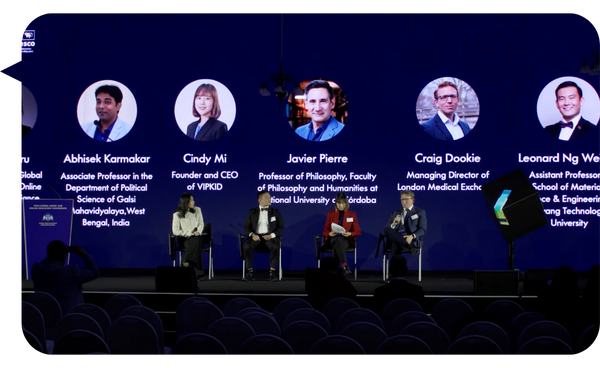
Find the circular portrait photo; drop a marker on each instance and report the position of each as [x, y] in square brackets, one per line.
[318, 111]
[568, 108]
[205, 110]
[106, 111]
[28, 111]
[447, 109]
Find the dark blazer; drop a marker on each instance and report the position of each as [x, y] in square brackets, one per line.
[275, 222]
[436, 128]
[581, 129]
[397, 288]
[212, 130]
[416, 224]
[350, 226]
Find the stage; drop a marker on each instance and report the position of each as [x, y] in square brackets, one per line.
[293, 282]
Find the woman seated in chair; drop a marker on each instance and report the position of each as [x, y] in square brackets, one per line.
[342, 239]
[187, 226]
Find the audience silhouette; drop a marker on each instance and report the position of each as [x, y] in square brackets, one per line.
[560, 302]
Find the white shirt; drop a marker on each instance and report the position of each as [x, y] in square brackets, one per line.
[263, 222]
[403, 215]
[185, 226]
[566, 132]
[452, 126]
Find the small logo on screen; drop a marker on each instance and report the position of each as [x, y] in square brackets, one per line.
[28, 41]
[499, 207]
[48, 217]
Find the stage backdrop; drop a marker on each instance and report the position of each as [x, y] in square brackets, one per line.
[384, 69]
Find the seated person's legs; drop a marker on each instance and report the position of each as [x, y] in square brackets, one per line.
[399, 243]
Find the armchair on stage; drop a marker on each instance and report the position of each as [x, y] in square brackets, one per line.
[176, 247]
[319, 250]
[386, 250]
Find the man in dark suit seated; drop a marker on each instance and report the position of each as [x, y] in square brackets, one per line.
[406, 226]
[569, 101]
[398, 286]
[263, 227]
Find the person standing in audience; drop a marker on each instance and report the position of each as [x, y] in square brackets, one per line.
[63, 282]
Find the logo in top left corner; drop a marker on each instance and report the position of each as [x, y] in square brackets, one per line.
[28, 41]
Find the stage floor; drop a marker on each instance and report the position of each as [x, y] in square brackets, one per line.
[293, 283]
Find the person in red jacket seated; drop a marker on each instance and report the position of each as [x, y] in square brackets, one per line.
[339, 239]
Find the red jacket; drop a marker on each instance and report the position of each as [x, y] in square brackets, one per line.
[350, 224]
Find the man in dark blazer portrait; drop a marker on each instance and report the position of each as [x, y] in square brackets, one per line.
[263, 228]
[398, 286]
[569, 101]
[445, 125]
[406, 226]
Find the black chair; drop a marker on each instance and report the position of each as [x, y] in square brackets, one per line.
[386, 251]
[81, 342]
[29, 345]
[336, 344]
[50, 309]
[262, 249]
[319, 250]
[265, 344]
[198, 343]
[176, 247]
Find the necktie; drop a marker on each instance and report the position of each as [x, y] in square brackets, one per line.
[264, 209]
[565, 125]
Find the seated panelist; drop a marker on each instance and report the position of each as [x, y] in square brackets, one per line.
[339, 239]
[187, 226]
[263, 227]
[406, 226]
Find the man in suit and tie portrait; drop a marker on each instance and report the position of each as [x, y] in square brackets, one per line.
[446, 125]
[569, 101]
[263, 228]
[319, 103]
[406, 226]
